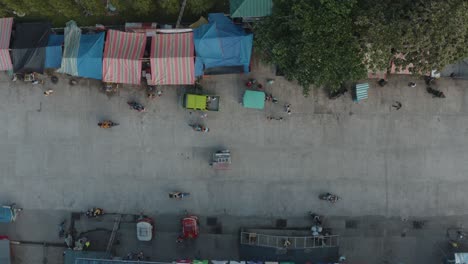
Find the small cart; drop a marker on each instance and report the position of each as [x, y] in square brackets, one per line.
[145, 229]
[221, 160]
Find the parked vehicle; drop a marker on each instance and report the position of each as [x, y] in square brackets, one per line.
[199, 128]
[145, 228]
[178, 195]
[8, 213]
[136, 106]
[190, 228]
[107, 124]
[221, 160]
[201, 102]
[332, 198]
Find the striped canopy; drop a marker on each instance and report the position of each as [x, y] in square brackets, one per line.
[122, 57]
[172, 59]
[5, 33]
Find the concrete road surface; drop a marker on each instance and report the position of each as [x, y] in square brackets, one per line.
[405, 163]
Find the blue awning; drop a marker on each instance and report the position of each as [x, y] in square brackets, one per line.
[221, 43]
[83, 53]
[54, 52]
[361, 91]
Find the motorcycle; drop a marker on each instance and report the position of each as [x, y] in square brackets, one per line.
[107, 124]
[337, 93]
[94, 212]
[61, 233]
[429, 80]
[316, 218]
[178, 195]
[435, 92]
[329, 197]
[136, 106]
[199, 128]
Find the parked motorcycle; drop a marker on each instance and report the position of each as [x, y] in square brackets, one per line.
[316, 218]
[435, 92]
[94, 212]
[178, 195]
[199, 128]
[136, 106]
[107, 124]
[337, 93]
[429, 80]
[61, 233]
[329, 197]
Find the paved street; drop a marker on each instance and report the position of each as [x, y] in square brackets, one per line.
[409, 163]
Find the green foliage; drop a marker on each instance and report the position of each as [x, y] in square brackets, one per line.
[67, 8]
[317, 49]
[142, 6]
[39, 7]
[198, 7]
[171, 6]
[195, 7]
[9, 6]
[94, 7]
[429, 33]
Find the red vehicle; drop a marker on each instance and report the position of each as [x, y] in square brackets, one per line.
[190, 227]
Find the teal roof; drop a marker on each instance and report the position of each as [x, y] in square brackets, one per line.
[361, 91]
[254, 99]
[251, 8]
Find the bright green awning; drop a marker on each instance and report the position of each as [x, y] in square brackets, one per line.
[254, 99]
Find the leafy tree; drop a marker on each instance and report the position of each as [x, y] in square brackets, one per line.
[429, 33]
[312, 42]
[93, 7]
[39, 7]
[13, 5]
[195, 7]
[68, 8]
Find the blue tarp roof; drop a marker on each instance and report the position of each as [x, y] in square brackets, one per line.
[82, 54]
[90, 56]
[54, 52]
[221, 43]
[5, 214]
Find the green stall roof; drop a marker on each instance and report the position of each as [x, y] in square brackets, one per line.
[254, 99]
[250, 8]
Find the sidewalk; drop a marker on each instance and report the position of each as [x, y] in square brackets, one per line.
[362, 239]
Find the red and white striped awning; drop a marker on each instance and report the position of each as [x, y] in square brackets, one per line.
[148, 28]
[122, 57]
[172, 59]
[5, 34]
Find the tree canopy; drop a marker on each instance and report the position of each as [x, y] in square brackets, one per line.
[95, 10]
[312, 42]
[325, 42]
[429, 33]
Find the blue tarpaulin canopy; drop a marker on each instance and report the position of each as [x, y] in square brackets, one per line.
[82, 55]
[221, 43]
[54, 52]
[6, 214]
[90, 55]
